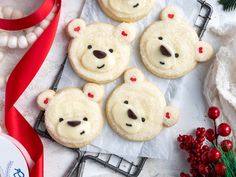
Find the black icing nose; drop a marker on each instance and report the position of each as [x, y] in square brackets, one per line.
[99, 54]
[73, 123]
[131, 114]
[165, 51]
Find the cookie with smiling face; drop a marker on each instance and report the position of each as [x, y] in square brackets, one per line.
[126, 10]
[137, 109]
[99, 52]
[170, 48]
[73, 117]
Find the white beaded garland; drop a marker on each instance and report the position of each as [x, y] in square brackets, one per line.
[38, 31]
[7, 12]
[12, 42]
[17, 14]
[31, 37]
[22, 42]
[3, 39]
[44, 24]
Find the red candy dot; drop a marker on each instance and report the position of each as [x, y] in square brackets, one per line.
[90, 95]
[46, 101]
[171, 16]
[200, 50]
[168, 115]
[123, 33]
[133, 79]
[77, 28]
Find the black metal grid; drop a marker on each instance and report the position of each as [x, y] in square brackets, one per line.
[132, 169]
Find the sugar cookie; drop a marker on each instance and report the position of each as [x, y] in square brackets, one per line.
[99, 52]
[73, 117]
[126, 10]
[137, 109]
[170, 48]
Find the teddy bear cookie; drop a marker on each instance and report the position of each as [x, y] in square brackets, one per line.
[73, 117]
[137, 109]
[126, 10]
[170, 48]
[99, 52]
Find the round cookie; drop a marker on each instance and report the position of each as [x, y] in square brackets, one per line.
[73, 117]
[99, 52]
[137, 109]
[170, 48]
[126, 10]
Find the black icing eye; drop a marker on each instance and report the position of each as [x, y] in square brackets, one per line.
[143, 119]
[85, 119]
[160, 38]
[61, 119]
[89, 46]
[111, 50]
[176, 55]
[126, 102]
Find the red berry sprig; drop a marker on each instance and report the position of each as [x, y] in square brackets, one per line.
[205, 161]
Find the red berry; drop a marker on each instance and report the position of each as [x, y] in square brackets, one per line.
[203, 169]
[204, 157]
[205, 148]
[220, 168]
[226, 145]
[214, 155]
[213, 112]
[180, 139]
[224, 129]
[210, 135]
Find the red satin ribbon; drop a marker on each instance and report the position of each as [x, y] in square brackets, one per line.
[21, 77]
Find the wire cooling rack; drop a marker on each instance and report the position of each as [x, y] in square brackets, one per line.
[112, 161]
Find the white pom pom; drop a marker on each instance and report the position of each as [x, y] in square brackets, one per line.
[17, 14]
[12, 42]
[1, 56]
[3, 39]
[44, 24]
[2, 82]
[29, 30]
[38, 31]
[22, 42]
[50, 16]
[31, 38]
[7, 12]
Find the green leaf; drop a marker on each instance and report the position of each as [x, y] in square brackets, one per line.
[228, 5]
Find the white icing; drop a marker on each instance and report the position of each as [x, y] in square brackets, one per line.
[180, 40]
[72, 104]
[98, 37]
[127, 10]
[136, 110]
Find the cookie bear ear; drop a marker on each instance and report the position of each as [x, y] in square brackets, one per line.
[133, 75]
[94, 92]
[171, 116]
[204, 51]
[171, 13]
[125, 32]
[75, 27]
[44, 98]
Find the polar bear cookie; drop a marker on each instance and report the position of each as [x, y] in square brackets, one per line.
[73, 117]
[137, 109]
[99, 52]
[126, 10]
[170, 48]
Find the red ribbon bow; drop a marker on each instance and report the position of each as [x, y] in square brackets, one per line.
[21, 77]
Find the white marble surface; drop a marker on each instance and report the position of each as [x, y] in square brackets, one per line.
[56, 158]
